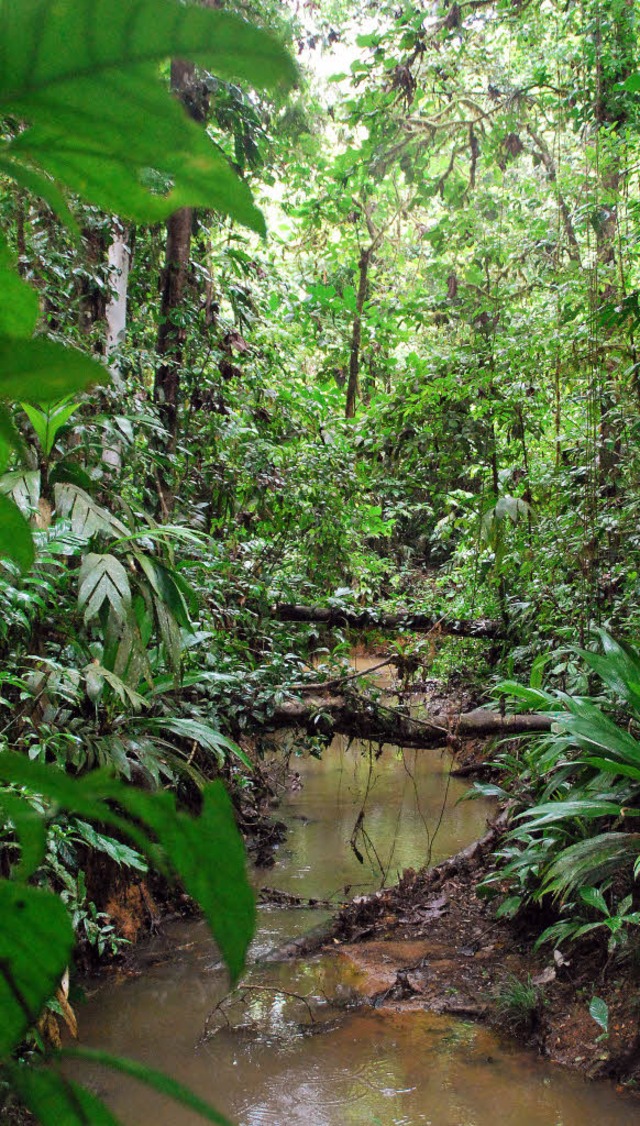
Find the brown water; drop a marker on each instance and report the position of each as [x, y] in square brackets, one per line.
[263, 1058]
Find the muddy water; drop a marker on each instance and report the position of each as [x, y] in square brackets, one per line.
[292, 1049]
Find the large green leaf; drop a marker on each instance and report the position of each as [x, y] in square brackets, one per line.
[36, 940]
[29, 828]
[592, 860]
[87, 518]
[44, 371]
[162, 1083]
[619, 668]
[19, 307]
[83, 73]
[108, 168]
[48, 45]
[596, 733]
[194, 730]
[15, 536]
[57, 1101]
[34, 181]
[103, 579]
[550, 813]
[48, 420]
[206, 853]
[209, 857]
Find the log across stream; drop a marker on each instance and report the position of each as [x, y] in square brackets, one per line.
[297, 1045]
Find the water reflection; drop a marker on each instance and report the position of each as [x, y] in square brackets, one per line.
[266, 1062]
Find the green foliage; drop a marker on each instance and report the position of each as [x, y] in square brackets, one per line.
[137, 153]
[171, 840]
[599, 1010]
[134, 153]
[35, 946]
[516, 1003]
[571, 842]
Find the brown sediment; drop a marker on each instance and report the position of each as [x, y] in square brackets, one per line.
[432, 943]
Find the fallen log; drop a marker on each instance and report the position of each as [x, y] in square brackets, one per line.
[364, 719]
[488, 628]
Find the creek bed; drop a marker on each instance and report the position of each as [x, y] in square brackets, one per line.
[294, 1049]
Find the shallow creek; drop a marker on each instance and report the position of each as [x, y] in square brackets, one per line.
[265, 1059]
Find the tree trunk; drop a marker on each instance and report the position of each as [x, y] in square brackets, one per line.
[119, 259]
[362, 718]
[171, 334]
[372, 619]
[353, 386]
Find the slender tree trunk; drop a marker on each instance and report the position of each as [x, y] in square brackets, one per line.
[353, 386]
[119, 259]
[171, 333]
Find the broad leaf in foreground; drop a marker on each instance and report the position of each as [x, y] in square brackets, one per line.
[83, 74]
[36, 940]
[206, 853]
[55, 1100]
[15, 535]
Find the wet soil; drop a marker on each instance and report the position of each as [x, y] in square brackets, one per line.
[432, 943]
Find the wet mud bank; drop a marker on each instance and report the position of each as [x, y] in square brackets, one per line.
[430, 942]
[364, 998]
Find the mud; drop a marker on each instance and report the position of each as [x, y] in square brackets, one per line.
[431, 943]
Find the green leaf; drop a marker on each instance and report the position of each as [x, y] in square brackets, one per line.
[509, 908]
[44, 371]
[83, 73]
[30, 830]
[618, 667]
[96, 675]
[16, 542]
[36, 940]
[103, 579]
[10, 438]
[594, 898]
[55, 1100]
[206, 852]
[592, 860]
[548, 813]
[42, 186]
[48, 421]
[87, 518]
[209, 857]
[201, 733]
[162, 1083]
[47, 45]
[595, 733]
[163, 580]
[191, 171]
[19, 308]
[599, 1010]
[119, 852]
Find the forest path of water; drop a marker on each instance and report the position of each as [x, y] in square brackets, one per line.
[297, 1046]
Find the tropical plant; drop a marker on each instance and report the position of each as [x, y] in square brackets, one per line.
[136, 153]
[581, 784]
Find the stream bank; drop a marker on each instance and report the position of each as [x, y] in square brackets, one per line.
[432, 943]
[341, 1036]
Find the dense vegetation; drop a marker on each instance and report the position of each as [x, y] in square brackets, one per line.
[418, 392]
